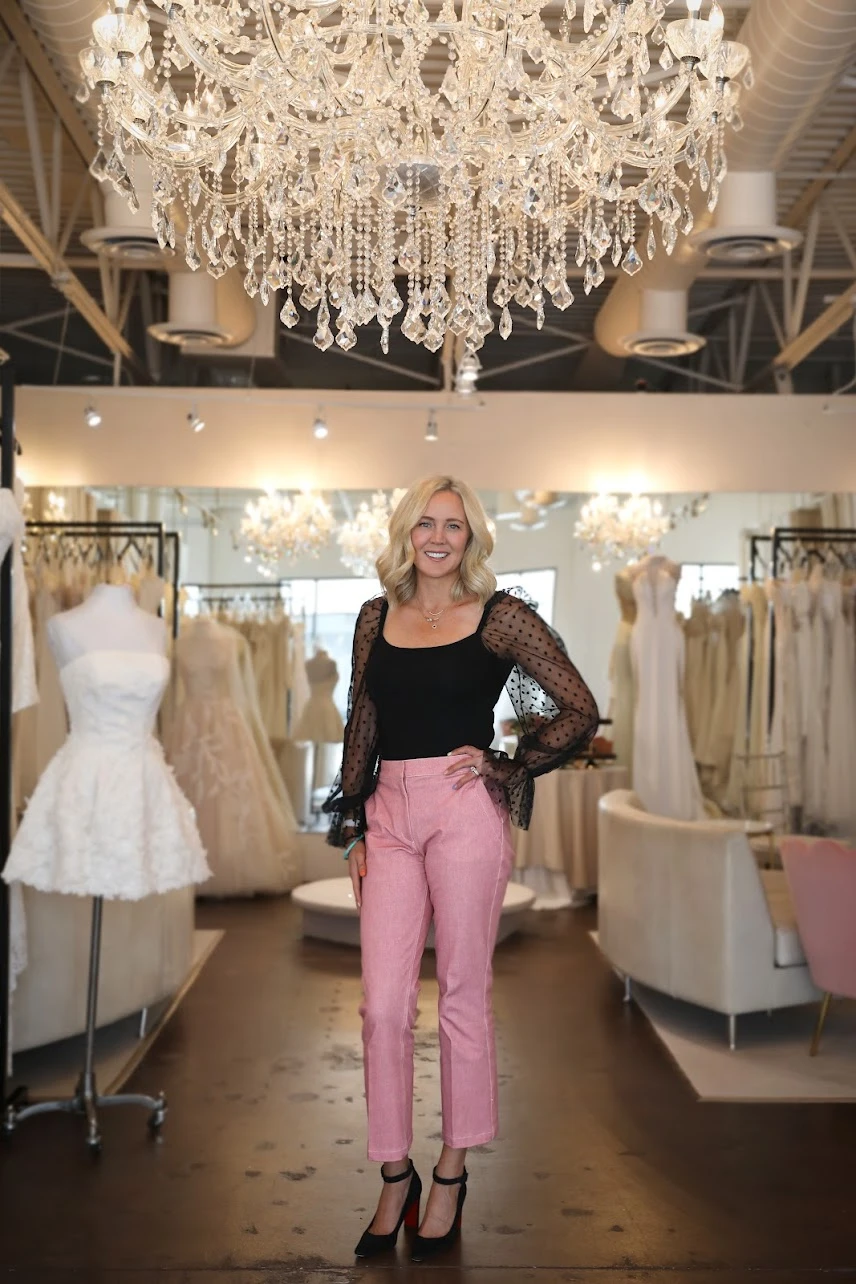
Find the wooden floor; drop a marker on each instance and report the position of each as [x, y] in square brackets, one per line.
[607, 1170]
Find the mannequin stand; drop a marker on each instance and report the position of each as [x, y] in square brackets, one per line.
[86, 1100]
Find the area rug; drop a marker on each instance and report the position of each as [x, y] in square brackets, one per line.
[771, 1062]
[53, 1070]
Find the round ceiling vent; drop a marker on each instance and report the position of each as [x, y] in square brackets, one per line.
[197, 336]
[193, 320]
[134, 246]
[738, 246]
[653, 344]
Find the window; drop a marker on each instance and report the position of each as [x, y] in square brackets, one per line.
[540, 586]
[705, 580]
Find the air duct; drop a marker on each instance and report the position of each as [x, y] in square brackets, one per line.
[128, 237]
[746, 231]
[205, 315]
[663, 331]
[800, 50]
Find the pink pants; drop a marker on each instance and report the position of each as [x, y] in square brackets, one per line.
[432, 851]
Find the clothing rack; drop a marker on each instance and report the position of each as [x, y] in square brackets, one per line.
[7, 480]
[86, 1099]
[757, 561]
[827, 544]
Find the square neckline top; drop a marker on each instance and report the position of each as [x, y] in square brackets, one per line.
[440, 646]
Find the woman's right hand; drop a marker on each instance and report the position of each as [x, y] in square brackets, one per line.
[357, 870]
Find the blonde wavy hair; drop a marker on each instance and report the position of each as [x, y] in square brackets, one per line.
[395, 566]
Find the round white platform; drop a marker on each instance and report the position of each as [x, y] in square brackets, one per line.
[329, 911]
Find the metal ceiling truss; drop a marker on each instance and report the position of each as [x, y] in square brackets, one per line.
[48, 240]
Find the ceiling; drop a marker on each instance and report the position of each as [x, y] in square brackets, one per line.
[64, 317]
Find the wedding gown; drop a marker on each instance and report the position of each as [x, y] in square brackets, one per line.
[622, 698]
[250, 839]
[840, 809]
[785, 733]
[107, 817]
[12, 528]
[816, 678]
[320, 720]
[664, 774]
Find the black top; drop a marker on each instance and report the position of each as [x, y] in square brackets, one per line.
[430, 700]
[556, 711]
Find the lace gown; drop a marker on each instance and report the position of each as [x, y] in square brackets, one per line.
[107, 817]
[249, 835]
[664, 773]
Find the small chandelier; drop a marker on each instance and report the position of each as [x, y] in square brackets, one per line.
[281, 528]
[363, 539]
[417, 157]
[615, 529]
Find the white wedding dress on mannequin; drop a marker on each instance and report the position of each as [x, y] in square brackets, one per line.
[107, 817]
[664, 773]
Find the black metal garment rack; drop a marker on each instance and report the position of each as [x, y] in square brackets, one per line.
[108, 543]
[795, 544]
[7, 480]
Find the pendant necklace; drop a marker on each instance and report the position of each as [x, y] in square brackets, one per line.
[433, 617]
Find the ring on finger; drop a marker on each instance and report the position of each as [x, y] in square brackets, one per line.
[475, 770]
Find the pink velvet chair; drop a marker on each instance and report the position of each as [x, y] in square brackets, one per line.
[821, 875]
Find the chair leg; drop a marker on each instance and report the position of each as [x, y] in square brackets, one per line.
[627, 994]
[732, 1032]
[821, 1021]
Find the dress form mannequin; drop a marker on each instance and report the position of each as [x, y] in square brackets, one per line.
[109, 619]
[320, 722]
[107, 818]
[622, 692]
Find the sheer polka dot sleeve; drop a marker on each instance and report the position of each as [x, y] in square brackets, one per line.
[557, 713]
[356, 781]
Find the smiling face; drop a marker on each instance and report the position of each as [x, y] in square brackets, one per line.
[440, 537]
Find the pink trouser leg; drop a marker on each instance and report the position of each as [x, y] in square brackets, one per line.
[431, 850]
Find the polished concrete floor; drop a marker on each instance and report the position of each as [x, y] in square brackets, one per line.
[608, 1169]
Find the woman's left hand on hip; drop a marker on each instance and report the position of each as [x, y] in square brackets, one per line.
[468, 765]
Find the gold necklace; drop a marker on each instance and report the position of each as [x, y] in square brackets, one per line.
[433, 617]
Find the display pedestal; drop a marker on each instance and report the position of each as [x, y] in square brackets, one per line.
[330, 914]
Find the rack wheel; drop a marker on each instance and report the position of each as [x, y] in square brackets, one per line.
[94, 1145]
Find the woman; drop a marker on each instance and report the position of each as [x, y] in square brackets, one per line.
[427, 835]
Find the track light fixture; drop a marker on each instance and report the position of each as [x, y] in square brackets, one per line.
[91, 417]
[320, 430]
[195, 422]
[431, 432]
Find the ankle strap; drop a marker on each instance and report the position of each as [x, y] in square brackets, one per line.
[399, 1176]
[451, 1181]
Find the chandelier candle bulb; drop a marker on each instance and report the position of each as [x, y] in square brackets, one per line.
[327, 146]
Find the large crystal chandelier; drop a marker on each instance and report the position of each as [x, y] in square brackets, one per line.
[623, 530]
[424, 157]
[280, 528]
[362, 539]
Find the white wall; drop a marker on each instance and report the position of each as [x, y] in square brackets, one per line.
[570, 442]
[585, 612]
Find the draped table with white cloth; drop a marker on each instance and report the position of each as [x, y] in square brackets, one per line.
[557, 855]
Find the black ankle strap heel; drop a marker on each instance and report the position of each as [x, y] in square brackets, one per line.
[424, 1248]
[371, 1244]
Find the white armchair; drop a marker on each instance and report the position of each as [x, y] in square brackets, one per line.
[684, 909]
